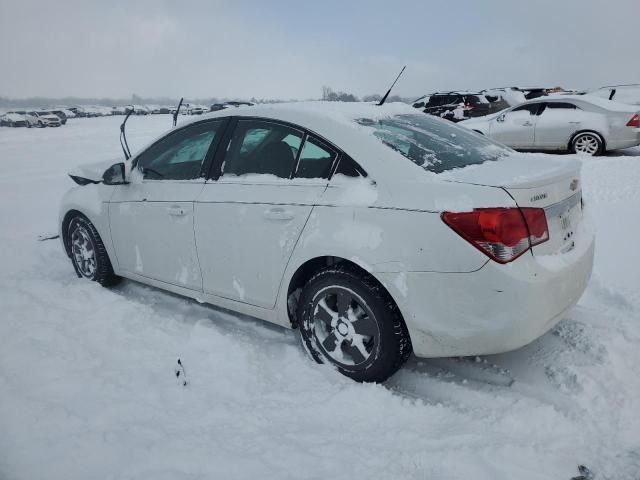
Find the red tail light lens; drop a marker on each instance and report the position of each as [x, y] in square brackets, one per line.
[503, 234]
[634, 122]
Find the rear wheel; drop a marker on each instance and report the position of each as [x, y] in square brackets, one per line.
[349, 320]
[588, 143]
[88, 254]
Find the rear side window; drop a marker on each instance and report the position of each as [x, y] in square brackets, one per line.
[561, 105]
[315, 160]
[262, 147]
[433, 144]
[532, 108]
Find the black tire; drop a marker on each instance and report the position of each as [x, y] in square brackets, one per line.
[593, 143]
[90, 259]
[388, 346]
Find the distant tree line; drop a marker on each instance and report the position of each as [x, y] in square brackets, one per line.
[328, 94]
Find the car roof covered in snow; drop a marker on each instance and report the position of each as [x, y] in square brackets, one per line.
[335, 122]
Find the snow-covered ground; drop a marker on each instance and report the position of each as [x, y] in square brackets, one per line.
[87, 384]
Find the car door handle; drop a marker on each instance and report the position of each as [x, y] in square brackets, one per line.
[527, 124]
[176, 211]
[575, 123]
[278, 213]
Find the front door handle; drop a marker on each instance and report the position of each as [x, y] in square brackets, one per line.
[278, 213]
[176, 211]
[527, 124]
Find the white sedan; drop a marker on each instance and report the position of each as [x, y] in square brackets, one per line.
[576, 123]
[376, 231]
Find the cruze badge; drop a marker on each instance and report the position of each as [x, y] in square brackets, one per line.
[539, 196]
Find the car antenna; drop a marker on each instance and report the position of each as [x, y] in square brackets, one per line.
[123, 135]
[389, 91]
[175, 114]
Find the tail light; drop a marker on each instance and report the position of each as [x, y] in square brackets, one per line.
[503, 234]
[634, 122]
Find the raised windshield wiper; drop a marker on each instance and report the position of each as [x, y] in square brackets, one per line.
[175, 114]
[123, 136]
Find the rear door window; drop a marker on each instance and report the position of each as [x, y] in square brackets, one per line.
[262, 147]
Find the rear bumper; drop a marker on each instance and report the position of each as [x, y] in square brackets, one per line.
[495, 309]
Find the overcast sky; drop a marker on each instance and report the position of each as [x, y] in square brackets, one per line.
[290, 49]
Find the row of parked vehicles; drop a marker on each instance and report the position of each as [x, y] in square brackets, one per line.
[36, 118]
[58, 116]
[587, 122]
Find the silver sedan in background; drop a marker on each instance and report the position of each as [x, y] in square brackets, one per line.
[577, 123]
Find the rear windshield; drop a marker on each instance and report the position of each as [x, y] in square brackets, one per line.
[435, 145]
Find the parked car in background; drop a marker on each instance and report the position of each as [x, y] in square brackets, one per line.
[357, 224]
[629, 94]
[221, 106]
[192, 109]
[511, 95]
[14, 120]
[32, 120]
[44, 119]
[579, 124]
[457, 106]
[58, 113]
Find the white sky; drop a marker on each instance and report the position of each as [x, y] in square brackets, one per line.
[289, 49]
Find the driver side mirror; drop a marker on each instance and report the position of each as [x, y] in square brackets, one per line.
[115, 175]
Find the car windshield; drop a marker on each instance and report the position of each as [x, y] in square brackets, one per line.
[434, 144]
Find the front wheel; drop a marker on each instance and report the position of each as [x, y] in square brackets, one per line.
[587, 143]
[348, 320]
[88, 254]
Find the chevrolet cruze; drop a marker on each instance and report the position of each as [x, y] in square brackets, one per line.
[376, 231]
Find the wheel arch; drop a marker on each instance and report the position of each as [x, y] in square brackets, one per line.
[310, 267]
[587, 130]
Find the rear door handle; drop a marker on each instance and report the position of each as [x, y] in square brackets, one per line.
[176, 211]
[575, 123]
[278, 213]
[527, 124]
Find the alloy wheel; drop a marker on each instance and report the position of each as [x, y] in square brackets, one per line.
[344, 326]
[84, 252]
[587, 143]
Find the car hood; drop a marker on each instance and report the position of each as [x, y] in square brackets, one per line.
[91, 172]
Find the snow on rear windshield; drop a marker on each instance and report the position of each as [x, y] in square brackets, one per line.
[434, 144]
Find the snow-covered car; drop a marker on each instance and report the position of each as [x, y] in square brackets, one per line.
[373, 230]
[511, 95]
[32, 120]
[457, 106]
[221, 106]
[14, 120]
[575, 123]
[45, 119]
[58, 113]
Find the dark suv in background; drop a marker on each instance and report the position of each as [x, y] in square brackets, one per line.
[457, 106]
